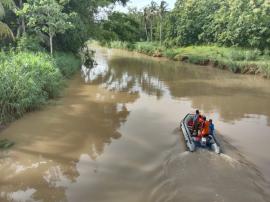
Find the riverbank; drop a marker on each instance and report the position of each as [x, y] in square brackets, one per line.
[237, 60]
[29, 80]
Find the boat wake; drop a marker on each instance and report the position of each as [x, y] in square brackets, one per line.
[206, 176]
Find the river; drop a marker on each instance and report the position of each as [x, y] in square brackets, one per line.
[114, 137]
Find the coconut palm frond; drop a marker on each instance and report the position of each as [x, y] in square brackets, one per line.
[5, 31]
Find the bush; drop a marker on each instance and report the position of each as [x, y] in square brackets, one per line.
[148, 48]
[236, 55]
[121, 45]
[29, 43]
[68, 63]
[27, 81]
[170, 53]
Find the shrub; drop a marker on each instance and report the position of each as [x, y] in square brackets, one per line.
[29, 43]
[170, 53]
[148, 48]
[235, 55]
[121, 45]
[68, 63]
[27, 81]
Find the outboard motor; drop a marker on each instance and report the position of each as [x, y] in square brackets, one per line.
[203, 142]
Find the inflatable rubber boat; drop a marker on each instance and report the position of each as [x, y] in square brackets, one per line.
[193, 142]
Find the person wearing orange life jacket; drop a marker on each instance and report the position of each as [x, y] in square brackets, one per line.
[204, 128]
[200, 120]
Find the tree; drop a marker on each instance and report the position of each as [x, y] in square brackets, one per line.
[152, 13]
[242, 23]
[121, 26]
[162, 10]
[146, 18]
[5, 31]
[47, 16]
[86, 26]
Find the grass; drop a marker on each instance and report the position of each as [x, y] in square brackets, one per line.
[28, 80]
[235, 59]
[68, 63]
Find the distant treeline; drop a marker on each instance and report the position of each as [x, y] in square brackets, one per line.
[244, 23]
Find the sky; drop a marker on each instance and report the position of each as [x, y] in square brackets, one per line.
[142, 3]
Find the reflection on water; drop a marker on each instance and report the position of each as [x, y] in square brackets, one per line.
[116, 138]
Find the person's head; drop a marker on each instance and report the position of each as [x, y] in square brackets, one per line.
[210, 120]
[197, 111]
[204, 118]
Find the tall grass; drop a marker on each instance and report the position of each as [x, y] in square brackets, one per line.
[29, 79]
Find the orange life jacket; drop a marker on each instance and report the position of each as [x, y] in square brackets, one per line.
[205, 129]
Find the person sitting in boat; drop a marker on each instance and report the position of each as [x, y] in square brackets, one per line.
[211, 127]
[204, 128]
[196, 122]
[200, 121]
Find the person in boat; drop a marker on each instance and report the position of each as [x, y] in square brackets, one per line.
[204, 128]
[211, 127]
[200, 120]
[195, 120]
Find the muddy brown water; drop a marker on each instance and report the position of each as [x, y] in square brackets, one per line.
[114, 137]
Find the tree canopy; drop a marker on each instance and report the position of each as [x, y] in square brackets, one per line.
[46, 16]
[52, 18]
[120, 26]
[241, 23]
[230, 22]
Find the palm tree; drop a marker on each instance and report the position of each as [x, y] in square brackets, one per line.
[162, 10]
[152, 9]
[146, 20]
[5, 31]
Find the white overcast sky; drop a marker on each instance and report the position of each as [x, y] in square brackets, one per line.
[142, 3]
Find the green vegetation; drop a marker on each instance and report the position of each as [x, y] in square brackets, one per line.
[29, 79]
[241, 23]
[235, 59]
[119, 26]
[67, 63]
[29, 29]
[230, 34]
[48, 17]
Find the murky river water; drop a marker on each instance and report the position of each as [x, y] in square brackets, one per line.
[116, 137]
